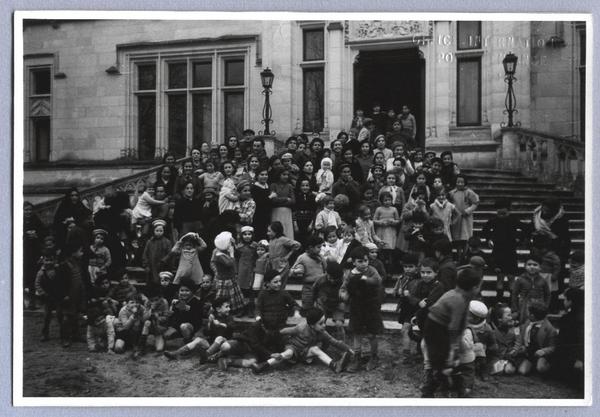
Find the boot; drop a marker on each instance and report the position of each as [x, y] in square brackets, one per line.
[339, 365]
[223, 363]
[259, 368]
[142, 345]
[203, 356]
[177, 354]
[214, 358]
[373, 362]
[354, 363]
[428, 384]
[481, 368]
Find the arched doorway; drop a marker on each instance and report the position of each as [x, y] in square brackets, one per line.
[392, 78]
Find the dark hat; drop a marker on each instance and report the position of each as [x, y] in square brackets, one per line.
[313, 315]
[477, 261]
[209, 190]
[335, 270]
[467, 278]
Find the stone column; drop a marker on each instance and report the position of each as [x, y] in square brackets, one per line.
[333, 106]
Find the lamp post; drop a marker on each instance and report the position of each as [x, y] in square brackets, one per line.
[266, 77]
[510, 66]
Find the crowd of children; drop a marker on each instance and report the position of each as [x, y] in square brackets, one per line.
[217, 240]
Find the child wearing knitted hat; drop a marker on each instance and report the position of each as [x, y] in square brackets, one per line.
[157, 247]
[470, 350]
[100, 259]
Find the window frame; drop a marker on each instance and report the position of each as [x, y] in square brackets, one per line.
[31, 144]
[311, 65]
[469, 58]
[217, 56]
[468, 48]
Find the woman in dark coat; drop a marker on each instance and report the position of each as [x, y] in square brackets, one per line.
[355, 168]
[308, 173]
[70, 207]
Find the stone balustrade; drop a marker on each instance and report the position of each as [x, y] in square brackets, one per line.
[548, 158]
[89, 196]
[130, 183]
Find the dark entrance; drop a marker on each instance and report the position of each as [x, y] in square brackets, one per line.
[392, 78]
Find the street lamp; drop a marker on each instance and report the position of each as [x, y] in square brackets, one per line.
[266, 77]
[510, 67]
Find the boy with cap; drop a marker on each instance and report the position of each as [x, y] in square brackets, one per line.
[100, 259]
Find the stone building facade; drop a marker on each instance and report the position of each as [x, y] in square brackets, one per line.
[105, 89]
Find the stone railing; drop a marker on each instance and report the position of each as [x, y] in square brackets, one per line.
[129, 184]
[548, 158]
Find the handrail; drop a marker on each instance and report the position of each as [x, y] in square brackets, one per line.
[45, 211]
[549, 158]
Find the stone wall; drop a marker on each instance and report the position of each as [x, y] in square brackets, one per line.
[555, 78]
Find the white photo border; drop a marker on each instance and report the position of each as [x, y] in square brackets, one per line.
[17, 200]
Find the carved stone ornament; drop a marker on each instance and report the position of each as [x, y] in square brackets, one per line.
[40, 107]
[358, 31]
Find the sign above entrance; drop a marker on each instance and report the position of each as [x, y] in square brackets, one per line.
[361, 31]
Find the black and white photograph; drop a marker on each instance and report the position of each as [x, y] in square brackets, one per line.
[220, 207]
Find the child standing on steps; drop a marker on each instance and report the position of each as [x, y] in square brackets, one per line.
[310, 267]
[530, 286]
[245, 253]
[100, 259]
[386, 220]
[363, 288]
[408, 304]
[226, 274]
[503, 233]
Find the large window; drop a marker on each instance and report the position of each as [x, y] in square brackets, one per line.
[182, 102]
[469, 35]
[40, 112]
[313, 79]
[468, 73]
[468, 95]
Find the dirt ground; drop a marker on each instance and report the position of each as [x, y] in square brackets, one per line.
[52, 371]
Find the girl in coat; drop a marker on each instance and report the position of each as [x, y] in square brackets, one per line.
[283, 199]
[224, 267]
[245, 254]
[465, 200]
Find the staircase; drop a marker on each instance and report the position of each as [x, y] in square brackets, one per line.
[490, 184]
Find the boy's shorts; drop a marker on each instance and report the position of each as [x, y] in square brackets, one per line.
[299, 355]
